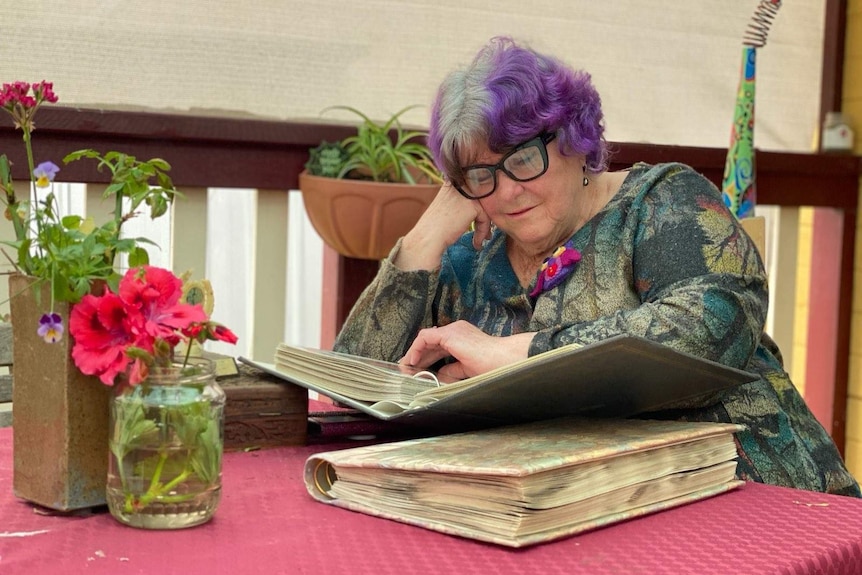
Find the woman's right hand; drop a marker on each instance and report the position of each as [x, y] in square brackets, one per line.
[442, 223]
[471, 350]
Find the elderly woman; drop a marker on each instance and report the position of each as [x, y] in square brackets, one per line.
[563, 251]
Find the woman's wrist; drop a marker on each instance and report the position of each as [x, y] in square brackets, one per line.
[418, 252]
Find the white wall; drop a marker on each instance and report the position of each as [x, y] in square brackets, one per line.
[667, 69]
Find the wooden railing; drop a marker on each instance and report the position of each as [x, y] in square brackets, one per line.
[266, 156]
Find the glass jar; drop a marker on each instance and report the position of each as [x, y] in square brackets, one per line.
[166, 442]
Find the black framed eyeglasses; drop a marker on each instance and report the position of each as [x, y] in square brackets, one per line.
[525, 162]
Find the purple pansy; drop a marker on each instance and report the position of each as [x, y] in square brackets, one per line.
[554, 270]
[50, 327]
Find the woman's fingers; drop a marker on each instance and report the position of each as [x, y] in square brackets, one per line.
[425, 350]
[481, 230]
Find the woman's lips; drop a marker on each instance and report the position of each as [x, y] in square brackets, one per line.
[519, 213]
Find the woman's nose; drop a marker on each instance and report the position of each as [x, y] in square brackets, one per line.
[506, 185]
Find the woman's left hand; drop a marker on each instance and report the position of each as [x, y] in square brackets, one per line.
[473, 350]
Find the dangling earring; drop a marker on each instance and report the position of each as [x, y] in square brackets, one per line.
[586, 179]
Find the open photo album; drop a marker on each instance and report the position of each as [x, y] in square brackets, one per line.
[617, 377]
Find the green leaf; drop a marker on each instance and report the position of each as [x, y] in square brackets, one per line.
[133, 428]
[77, 155]
[5, 171]
[138, 257]
[113, 189]
[160, 164]
[158, 206]
[165, 181]
[116, 158]
[72, 222]
[113, 282]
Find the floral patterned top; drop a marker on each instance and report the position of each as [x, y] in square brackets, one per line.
[665, 260]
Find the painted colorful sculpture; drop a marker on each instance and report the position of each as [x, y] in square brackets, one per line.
[738, 184]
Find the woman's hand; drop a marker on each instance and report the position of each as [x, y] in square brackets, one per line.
[474, 351]
[447, 218]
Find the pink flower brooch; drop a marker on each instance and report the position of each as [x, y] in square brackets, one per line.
[555, 268]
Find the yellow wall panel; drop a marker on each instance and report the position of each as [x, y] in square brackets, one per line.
[852, 88]
[852, 108]
[853, 456]
[854, 419]
[854, 385]
[852, 43]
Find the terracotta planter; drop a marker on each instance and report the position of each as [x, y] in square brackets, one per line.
[363, 219]
[60, 416]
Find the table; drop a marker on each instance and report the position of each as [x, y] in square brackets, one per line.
[267, 523]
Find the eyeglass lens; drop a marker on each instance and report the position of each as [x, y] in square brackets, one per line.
[526, 162]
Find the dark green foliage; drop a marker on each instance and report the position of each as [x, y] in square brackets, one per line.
[327, 159]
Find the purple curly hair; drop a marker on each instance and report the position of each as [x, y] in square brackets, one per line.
[510, 94]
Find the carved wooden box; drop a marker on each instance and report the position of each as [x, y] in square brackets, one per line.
[263, 411]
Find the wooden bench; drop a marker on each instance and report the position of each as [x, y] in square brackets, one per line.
[6, 379]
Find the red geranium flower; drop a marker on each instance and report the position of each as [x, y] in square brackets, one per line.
[101, 331]
[154, 293]
[141, 325]
[221, 333]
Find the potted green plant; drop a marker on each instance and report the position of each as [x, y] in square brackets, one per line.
[366, 191]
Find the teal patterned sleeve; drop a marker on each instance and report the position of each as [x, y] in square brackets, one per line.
[389, 312]
[696, 282]
[397, 304]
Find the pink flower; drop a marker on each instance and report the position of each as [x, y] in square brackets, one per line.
[155, 293]
[99, 326]
[16, 99]
[194, 331]
[138, 371]
[221, 333]
[141, 325]
[210, 330]
[44, 91]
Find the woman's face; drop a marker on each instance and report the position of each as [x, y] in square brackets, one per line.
[540, 214]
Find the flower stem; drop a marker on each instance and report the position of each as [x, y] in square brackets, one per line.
[33, 194]
[188, 352]
[111, 254]
[158, 491]
[157, 473]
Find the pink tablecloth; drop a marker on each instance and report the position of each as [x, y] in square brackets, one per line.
[268, 524]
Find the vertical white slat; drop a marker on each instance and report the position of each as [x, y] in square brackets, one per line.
[769, 256]
[68, 199]
[230, 264]
[271, 259]
[782, 226]
[158, 231]
[71, 198]
[189, 233]
[303, 316]
[304, 277]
